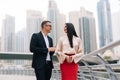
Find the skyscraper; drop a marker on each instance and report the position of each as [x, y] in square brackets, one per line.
[116, 25]
[87, 30]
[54, 17]
[74, 18]
[116, 30]
[104, 21]
[33, 21]
[20, 41]
[8, 33]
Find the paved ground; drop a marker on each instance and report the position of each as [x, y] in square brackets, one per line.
[15, 77]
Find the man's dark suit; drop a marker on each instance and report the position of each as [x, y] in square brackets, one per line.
[43, 69]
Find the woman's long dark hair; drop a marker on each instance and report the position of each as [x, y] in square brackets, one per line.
[70, 33]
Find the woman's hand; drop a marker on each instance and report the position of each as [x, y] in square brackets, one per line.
[69, 59]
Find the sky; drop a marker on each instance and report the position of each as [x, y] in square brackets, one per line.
[18, 8]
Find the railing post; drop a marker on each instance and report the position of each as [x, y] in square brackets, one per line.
[110, 71]
[90, 69]
[53, 75]
[81, 74]
[57, 76]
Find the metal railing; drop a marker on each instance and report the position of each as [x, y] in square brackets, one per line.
[17, 63]
[101, 70]
[13, 63]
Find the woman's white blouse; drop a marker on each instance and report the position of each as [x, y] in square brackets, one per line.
[63, 47]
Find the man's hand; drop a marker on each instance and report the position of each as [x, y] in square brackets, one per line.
[51, 49]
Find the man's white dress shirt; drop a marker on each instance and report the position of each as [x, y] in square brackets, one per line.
[47, 45]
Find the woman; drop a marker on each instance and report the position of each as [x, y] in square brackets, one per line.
[69, 51]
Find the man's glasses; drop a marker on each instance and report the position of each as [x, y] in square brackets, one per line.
[48, 25]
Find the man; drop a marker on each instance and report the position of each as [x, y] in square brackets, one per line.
[42, 47]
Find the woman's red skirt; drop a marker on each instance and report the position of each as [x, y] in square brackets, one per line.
[69, 70]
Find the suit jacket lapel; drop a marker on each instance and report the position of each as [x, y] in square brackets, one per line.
[42, 39]
[49, 42]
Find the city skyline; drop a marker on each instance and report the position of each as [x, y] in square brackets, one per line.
[19, 12]
[104, 22]
[8, 34]
[87, 30]
[34, 18]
